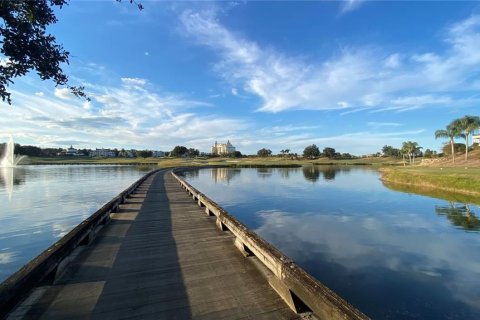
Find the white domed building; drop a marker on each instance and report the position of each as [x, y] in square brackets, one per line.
[223, 148]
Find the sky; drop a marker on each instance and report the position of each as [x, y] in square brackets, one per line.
[353, 75]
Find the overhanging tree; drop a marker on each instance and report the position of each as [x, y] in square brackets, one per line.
[26, 46]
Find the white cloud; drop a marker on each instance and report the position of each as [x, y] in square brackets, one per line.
[87, 105]
[352, 79]
[392, 61]
[4, 61]
[63, 93]
[383, 124]
[350, 5]
[127, 115]
[40, 94]
[235, 91]
[134, 81]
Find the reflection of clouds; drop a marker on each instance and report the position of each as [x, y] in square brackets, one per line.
[361, 237]
[59, 230]
[411, 245]
[51, 201]
[7, 257]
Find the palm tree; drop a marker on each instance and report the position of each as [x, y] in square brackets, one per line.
[411, 149]
[450, 132]
[467, 124]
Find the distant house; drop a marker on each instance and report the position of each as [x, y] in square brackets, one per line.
[102, 153]
[71, 151]
[158, 154]
[223, 148]
[476, 139]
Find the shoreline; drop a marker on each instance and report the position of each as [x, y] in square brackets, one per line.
[456, 182]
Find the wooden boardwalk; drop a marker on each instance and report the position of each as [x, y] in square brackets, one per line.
[160, 257]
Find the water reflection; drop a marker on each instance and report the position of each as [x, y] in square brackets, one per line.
[432, 192]
[311, 173]
[381, 266]
[224, 174]
[460, 215]
[329, 173]
[391, 254]
[264, 172]
[46, 202]
[10, 177]
[285, 172]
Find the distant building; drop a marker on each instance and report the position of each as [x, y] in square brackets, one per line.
[71, 151]
[158, 154]
[102, 153]
[476, 139]
[223, 148]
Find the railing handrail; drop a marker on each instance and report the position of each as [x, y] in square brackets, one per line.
[44, 266]
[314, 294]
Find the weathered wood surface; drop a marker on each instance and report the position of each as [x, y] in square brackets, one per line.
[160, 257]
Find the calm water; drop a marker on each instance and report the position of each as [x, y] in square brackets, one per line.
[40, 204]
[391, 254]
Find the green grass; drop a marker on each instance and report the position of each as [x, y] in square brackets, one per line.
[239, 162]
[464, 181]
[433, 192]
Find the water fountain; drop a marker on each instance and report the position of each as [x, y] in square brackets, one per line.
[8, 163]
[10, 159]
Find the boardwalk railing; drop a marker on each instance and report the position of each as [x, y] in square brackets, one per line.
[47, 266]
[298, 289]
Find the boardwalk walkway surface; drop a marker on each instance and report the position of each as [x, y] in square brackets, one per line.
[160, 257]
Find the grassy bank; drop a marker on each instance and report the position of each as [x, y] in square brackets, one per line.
[239, 162]
[433, 193]
[434, 181]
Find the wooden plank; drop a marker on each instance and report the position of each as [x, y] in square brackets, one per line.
[161, 257]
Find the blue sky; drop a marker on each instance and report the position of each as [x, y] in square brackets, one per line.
[353, 75]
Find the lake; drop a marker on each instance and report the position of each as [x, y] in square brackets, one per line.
[40, 204]
[393, 255]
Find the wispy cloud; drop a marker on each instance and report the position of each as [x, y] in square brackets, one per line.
[62, 93]
[383, 124]
[350, 5]
[131, 114]
[352, 79]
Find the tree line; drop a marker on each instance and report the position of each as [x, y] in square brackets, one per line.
[310, 152]
[33, 151]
